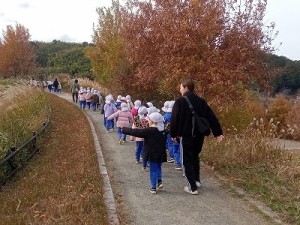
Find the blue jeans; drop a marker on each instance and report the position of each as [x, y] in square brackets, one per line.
[108, 124]
[155, 173]
[120, 134]
[176, 151]
[82, 104]
[94, 105]
[139, 150]
[170, 144]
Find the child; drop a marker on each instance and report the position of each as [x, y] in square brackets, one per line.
[81, 97]
[118, 102]
[174, 150]
[109, 109]
[134, 110]
[167, 119]
[88, 98]
[154, 147]
[95, 100]
[140, 122]
[129, 102]
[124, 120]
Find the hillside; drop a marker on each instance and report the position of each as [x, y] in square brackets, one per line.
[62, 57]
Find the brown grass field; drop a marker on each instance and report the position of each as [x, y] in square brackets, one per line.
[60, 185]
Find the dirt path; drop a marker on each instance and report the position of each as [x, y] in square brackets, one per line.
[214, 204]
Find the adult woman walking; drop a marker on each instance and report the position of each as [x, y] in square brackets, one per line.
[75, 89]
[184, 127]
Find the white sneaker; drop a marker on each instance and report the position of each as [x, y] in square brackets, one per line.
[188, 190]
[152, 190]
[198, 184]
[160, 186]
[171, 160]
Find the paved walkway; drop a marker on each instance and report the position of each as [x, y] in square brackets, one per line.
[287, 144]
[213, 206]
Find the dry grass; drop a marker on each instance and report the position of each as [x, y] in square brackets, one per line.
[24, 109]
[62, 184]
[268, 173]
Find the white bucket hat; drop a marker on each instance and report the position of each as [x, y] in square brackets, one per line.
[171, 104]
[124, 107]
[166, 106]
[142, 110]
[149, 104]
[152, 109]
[137, 104]
[158, 119]
[128, 97]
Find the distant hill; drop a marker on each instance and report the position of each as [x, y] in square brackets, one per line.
[62, 57]
[288, 79]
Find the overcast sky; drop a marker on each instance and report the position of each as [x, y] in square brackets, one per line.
[72, 20]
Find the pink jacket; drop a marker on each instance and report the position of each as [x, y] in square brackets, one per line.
[81, 97]
[125, 119]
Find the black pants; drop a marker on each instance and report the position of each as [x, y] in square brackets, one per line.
[191, 148]
[75, 97]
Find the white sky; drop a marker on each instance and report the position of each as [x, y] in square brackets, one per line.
[72, 20]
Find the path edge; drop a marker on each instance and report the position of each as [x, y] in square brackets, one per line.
[108, 195]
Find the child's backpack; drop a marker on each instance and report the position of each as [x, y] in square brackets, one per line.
[134, 112]
[140, 123]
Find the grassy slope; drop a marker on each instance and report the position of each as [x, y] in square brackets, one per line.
[62, 184]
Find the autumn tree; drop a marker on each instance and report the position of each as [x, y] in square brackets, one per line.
[220, 44]
[108, 58]
[17, 57]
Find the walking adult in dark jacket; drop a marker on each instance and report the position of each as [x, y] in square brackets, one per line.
[75, 90]
[181, 127]
[55, 85]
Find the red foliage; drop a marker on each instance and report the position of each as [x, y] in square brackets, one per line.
[217, 43]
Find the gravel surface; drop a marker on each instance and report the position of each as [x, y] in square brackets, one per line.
[136, 205]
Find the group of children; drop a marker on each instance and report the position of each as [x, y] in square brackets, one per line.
[90, 98]
[149, 129]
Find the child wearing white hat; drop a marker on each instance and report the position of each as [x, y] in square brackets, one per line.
[81, 97]
[88, 98]
[118, 102]
[129, 102]
[137, 105]
[174, 147]
[141, 122]
[125, 119]
[109, 109]
[167, 119]
[154, 147]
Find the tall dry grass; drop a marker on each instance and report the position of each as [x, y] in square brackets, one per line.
[23, 112]
[251, 160]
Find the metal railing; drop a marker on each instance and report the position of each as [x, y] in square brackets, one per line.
[16, 158]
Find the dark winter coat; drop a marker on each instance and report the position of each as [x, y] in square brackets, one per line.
[95, 99]
[181, 118]
[55, 83]
[154, 143]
